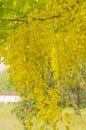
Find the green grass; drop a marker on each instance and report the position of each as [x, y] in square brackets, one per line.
[9, 122]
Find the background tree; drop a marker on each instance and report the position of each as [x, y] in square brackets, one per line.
[6, 86]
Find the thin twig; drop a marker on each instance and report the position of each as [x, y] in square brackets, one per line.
[76, 107]
[47, 18]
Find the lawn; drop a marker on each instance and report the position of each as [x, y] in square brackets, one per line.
[9, 122]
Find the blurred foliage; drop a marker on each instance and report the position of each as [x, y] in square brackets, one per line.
[21, 110]
[5, 85]
[76, 88]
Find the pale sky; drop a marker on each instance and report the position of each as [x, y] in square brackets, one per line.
[2, 67]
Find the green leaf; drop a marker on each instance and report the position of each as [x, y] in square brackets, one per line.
[1, 10]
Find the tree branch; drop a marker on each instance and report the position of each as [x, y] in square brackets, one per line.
[22, 20]
[76, 107]
[47, 18]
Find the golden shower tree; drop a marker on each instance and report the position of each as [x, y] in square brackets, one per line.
[43, 41]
